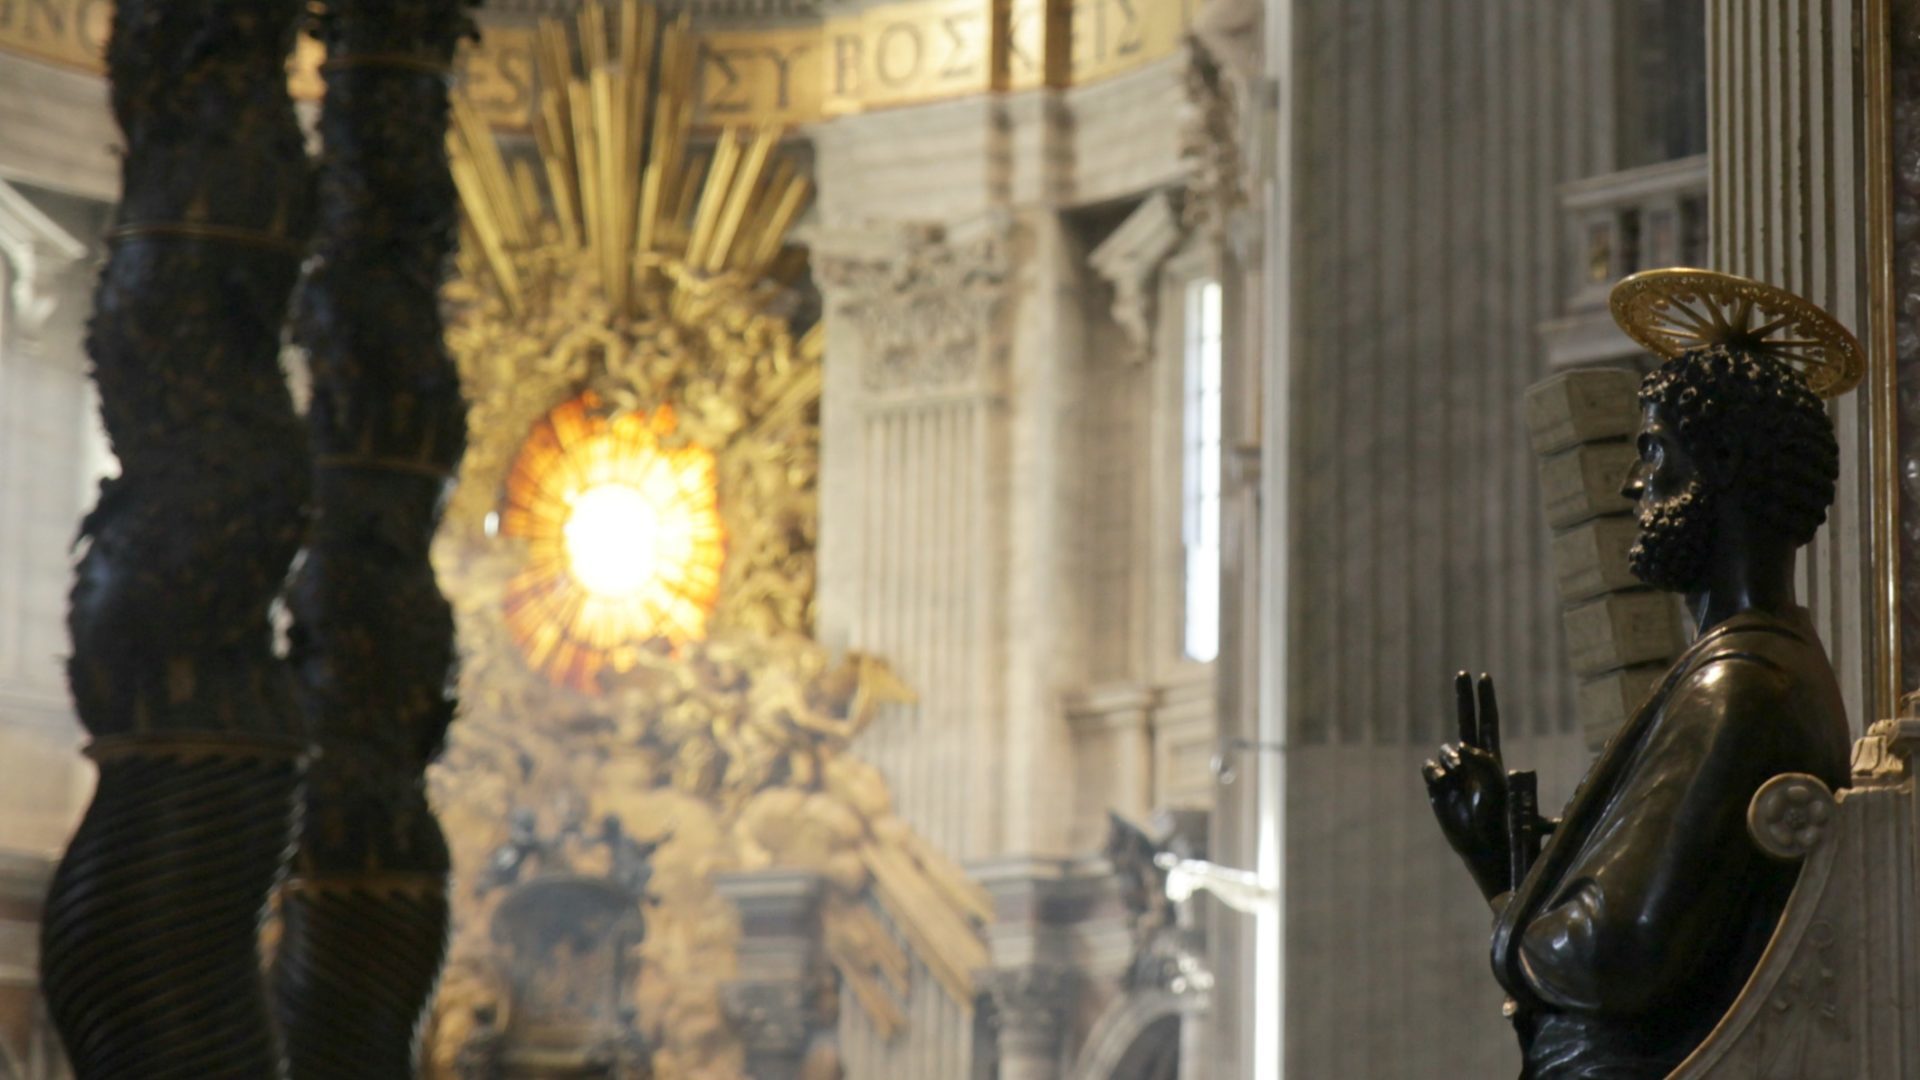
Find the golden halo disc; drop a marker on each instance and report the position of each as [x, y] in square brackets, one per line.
[1671, 311]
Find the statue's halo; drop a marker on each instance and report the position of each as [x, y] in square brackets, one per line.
[1673, 310]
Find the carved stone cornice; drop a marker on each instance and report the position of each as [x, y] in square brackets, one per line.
[1123, 707]
[1130, 260]
[37, 252]
[1884, 754]
[1231, 31]
[1210, 142]
[926, 302]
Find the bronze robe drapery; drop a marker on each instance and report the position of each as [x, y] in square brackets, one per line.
[1649, 907]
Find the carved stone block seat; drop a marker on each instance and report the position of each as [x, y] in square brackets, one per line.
[1836, 996]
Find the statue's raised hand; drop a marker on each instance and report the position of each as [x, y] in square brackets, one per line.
[1467, 784]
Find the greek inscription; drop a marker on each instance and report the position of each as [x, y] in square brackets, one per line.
[959, 64]
[734, 81]
[1131, 41]
[848, 51]
[1105, 31]
[516, 71]
[499, 79]
[48, 15]
[898, 54]
[92, 22]
[68, 31]
[720, 89]
[915, 51]
[1023, 30]
[783, 74]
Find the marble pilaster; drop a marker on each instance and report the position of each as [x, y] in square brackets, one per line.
[1787, 135]
[51, 453]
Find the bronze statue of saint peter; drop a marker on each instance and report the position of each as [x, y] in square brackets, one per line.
[1625, 940]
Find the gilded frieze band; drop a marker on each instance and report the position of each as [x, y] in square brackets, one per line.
[886, 56]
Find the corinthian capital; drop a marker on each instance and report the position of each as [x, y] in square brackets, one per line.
[38, 253]
[925, 299]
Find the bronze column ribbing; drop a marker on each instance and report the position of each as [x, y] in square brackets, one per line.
[372, 645]
[149, 954]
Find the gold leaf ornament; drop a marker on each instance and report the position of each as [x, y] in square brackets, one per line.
[613, 310]
[1671, 311]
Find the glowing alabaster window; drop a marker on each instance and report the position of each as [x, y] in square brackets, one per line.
[1200, 501]
[624, 540]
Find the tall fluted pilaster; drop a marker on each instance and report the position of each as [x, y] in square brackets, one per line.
[1787, 152]
[372, 646]
[150, 943]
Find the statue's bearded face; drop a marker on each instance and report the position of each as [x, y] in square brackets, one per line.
[1675, 510]
[1676, 537]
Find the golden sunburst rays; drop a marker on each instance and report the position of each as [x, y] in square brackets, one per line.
[624, 541]
[623, 188]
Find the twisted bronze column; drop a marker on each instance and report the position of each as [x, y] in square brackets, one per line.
[365, 908]
[149, 952]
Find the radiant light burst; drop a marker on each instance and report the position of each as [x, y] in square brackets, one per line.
[625, 542]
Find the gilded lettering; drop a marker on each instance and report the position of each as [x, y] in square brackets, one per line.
[516, 70]
[1131, 39]
[959, 63]
[714, 94]
[92, 22]
[886, 53]
[783, 74]
[1020, 36]
[499, 80]
[51, 14]
[847, 55]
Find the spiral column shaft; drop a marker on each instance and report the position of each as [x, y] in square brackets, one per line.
[372, 642]
[149, 953]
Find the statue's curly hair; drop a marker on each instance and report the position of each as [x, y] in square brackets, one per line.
[1732, 405]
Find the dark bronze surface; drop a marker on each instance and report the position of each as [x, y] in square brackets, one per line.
[150, 944]
[372, 641]
[1626, 940]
